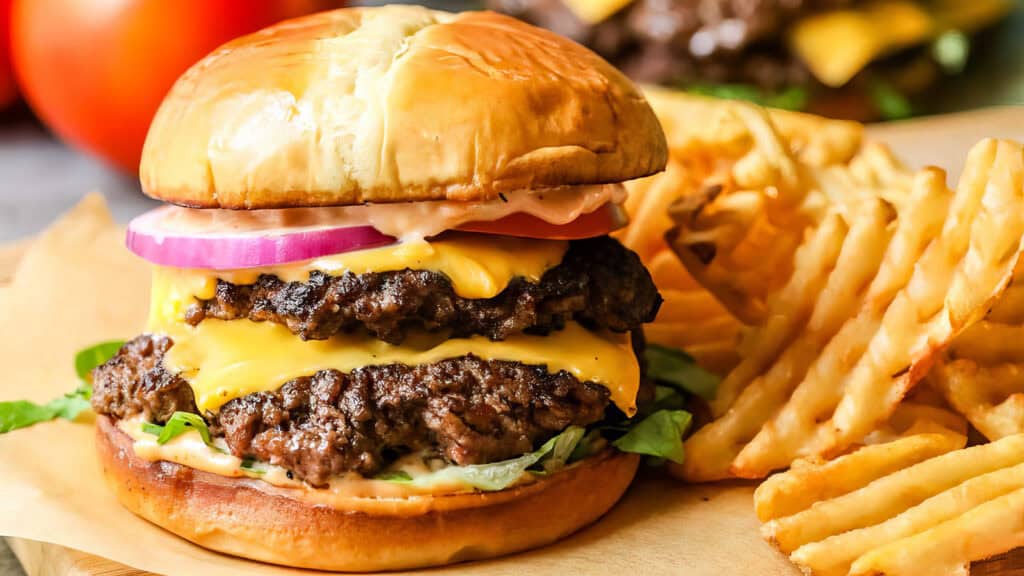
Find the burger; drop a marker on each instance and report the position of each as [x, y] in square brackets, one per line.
[857, 59]
[388, 327]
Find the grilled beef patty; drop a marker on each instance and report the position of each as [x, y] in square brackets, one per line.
[464, 410]
[599, 283]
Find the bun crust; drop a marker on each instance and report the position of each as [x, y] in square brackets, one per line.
[242, 518]
[391, 104]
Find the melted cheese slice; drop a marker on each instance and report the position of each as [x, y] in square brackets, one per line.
[223, 360]
[837, 45]
[478, 266]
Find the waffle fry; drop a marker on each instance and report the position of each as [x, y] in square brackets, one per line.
[711, 140]
[894, 508]
[718, 148]
[916, 433]
[848, 336]
[982, 373]
[709, 128]
[690, 317]
[990, 396]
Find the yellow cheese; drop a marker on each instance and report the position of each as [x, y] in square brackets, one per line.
[478, 265]
[837, 45]
[223, 360]
[594, 11]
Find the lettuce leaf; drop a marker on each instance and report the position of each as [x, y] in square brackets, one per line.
[678, 369]
[659, 435]
[552, 456]
[22, 413]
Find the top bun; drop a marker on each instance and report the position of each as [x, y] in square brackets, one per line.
[393, 104]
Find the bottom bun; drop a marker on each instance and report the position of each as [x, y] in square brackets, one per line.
[254, 520]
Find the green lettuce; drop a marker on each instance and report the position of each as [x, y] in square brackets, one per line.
[792, 98]
[550, 457]
[659, 435]
[22, 413]
[675, 368]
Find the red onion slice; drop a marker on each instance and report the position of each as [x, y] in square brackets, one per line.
[149, 240]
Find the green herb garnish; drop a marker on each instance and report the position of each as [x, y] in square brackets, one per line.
[178, 424]
[22, 413]
[93, 356]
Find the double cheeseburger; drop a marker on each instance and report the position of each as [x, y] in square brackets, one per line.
[387, 322]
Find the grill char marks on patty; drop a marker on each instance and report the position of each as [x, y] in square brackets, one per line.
[464, 410]
[599, 283]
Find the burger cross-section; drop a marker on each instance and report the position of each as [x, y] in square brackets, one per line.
[388, 327]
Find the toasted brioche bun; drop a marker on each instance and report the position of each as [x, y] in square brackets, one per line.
[250, 519]
[392, 104]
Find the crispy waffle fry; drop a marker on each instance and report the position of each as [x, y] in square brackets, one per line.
[828, 366]
[808, 482]
[915, 433]
[990, 396]
[712, 139]
[995, 527]
[690, 317]
[719, 149]
[982, 374]
[896, 508]
[710, 128]
[888, 496]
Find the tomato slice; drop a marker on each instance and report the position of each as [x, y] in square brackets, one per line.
[597, 223]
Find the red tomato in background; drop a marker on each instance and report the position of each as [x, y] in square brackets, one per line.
[95, 71]
[8, 91]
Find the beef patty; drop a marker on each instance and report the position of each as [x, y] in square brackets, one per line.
[599, 283]
[464, 410]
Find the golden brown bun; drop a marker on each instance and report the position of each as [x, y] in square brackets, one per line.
[391, 104]
[238, 517]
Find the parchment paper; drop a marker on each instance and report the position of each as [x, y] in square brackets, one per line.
[77, 285]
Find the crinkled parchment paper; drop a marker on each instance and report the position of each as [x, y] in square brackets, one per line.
[77, 285]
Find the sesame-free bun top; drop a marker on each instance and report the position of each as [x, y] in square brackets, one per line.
[391, 104]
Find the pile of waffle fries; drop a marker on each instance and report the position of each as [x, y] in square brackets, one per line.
[861, 315]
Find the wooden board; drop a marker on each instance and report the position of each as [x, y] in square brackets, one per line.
[939, 140]
[39, 559]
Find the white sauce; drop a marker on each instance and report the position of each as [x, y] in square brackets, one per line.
[403, 220]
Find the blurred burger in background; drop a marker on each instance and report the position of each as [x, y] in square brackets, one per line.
[859, 59]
